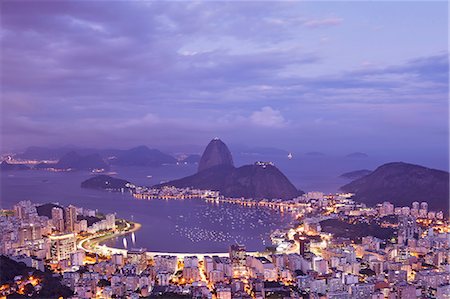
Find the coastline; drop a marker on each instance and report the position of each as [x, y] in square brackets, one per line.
[92, 244]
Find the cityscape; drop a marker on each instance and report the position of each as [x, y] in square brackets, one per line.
[224, 149]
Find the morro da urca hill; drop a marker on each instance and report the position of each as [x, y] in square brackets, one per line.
[216, 153]
[216, 172]
[402, 183]
[105, 182]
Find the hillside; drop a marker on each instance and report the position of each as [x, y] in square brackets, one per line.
[216, 172]
[143, 156]
[403, 183]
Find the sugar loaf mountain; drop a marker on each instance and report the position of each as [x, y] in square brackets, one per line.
[216, 171]
[402, 183]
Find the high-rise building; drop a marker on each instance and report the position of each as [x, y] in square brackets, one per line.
[138, 258]
[238, 259]
[304, 245]
[71, 218]
[58, 219]
[111, 221]
[19, 211]
[29, 232]
[61, 246]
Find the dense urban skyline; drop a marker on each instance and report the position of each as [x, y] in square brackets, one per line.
[363, 76]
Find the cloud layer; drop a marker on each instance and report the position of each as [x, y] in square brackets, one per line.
[174, 73]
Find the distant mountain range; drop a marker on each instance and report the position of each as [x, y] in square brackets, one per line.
[357, 155]
[217, 172]
[74, 161]
[87, 158]
[353, 175]
[403, 183]
[143, 156]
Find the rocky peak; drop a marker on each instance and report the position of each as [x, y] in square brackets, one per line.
[216, 153]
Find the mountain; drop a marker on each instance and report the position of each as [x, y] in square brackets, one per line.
[143, 156]
[357, 155]
[50, 284]
[75, 161]
[216, 153]
[403, 183]
[105, 182]
[353, 175]
[46, 209]
[5, 166]
[44, 153]
[260, 180]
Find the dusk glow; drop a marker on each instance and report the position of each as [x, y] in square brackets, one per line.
[363, 76]
[224, 149]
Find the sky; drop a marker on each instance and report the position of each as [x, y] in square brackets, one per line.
[310, 76]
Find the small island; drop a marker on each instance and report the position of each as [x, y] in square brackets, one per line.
[106, 182]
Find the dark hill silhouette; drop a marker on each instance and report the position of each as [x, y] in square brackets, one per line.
[403, 183]
[143, 156]
[75, 161]
[104, 182]
[216, 153]
[261, 180]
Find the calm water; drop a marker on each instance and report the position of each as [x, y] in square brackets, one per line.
[182, 226]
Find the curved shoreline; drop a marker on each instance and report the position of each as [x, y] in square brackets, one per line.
[103, 249]
[94, 245]
[94, 242]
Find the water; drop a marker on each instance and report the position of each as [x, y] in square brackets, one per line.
[167, 225]
[189, 225]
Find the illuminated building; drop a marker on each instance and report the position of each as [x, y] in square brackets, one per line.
[138, 258]
[304, 245]
[238, 258]
[111, 221]
[58, 219]
[61, 246]
[71, 218]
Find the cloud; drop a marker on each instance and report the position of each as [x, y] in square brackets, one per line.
[318, 23]
[268, 117]
[183, 72]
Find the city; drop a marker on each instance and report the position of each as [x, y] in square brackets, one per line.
[304, 261]
[224, 149]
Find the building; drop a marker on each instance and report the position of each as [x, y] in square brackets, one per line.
[138, 258]
[111, 221]
[71, 218]
[58, 219]
[238, 259]
[304, 245]
[61, 246]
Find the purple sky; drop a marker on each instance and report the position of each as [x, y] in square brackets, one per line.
[326, 76]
